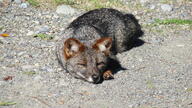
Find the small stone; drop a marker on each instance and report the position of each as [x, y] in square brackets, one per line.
[2, 83]
[21, 53]
[36, 64]
[152, 7]
[47, 69]
[48, 16]
[38, 78]
[56, 38]
[150, 21]
[63, 82]
[24, 5]
[180, 45]
[131, 106]
[157, 40]
[143, 1]
[55, 16]
[1, 4]
[140, 60]
[1, 42]
[42, 29]
[30, 33]
[17, 1]
[43, 45]
[27, 67]
[166, 8]
[36, 22]
[66, 10]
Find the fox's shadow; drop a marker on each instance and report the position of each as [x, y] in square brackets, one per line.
[114, 65]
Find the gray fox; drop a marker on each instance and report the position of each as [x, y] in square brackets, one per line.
[91, 40]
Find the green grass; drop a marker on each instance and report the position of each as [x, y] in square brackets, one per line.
[1, 28]
[189, 90]
[34, 3]
[68, 2]
[44, 36]
[150, 84]
[173, 21]
[7, 103]
[29, 73]
[165, 1]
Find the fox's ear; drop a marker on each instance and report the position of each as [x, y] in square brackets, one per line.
[72, 47]
[103, 44]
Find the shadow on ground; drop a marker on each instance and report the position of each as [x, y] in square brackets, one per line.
[114, 65]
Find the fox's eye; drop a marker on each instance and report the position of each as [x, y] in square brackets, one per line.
[100, 64]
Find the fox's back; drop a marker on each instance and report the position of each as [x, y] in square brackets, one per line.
[104, 20]
[98, 18]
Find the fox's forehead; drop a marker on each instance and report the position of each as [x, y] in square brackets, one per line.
[93, 56]
[90, 55]
[88, 43]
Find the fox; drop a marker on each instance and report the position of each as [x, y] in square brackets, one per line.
[92, 39]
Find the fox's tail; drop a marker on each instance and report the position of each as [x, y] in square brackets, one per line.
[137, 28]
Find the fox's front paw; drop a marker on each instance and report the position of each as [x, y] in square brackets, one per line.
[108, 75]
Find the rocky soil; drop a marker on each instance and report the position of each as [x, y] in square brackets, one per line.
[158, 75]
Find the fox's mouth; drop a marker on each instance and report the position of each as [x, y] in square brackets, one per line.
[90, 79]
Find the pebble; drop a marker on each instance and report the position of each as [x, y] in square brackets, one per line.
[38, 78]
[56, 38]
[42, 29]
[36, 22]
[152, 7]
[1, 3]
[30, 33]
[27, 67]
[17, 1]
[2, 40]
[63, 82]
[47, 69]
[55, 16]
[66, 10]
[150, 21]
[2, 83]
[166, 8]
[157, 40]
[21, 53]
[24, 5]
[143, 1]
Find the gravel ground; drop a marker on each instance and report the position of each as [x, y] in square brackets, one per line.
[158, 75]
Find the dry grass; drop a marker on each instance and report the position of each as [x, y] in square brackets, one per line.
[93, 4]
[43, 3]
[81, 4]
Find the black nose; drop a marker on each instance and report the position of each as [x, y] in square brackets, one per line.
[95, 78]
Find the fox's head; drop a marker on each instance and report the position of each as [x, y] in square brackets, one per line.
[87, 62]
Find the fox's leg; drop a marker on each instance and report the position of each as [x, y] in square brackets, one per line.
[108, 75]
[119, 35]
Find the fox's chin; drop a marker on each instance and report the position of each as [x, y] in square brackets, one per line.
[91, 80]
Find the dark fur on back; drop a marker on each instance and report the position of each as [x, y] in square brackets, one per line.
[123, 28]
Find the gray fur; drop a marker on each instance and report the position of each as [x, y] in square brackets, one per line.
[122, 28]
